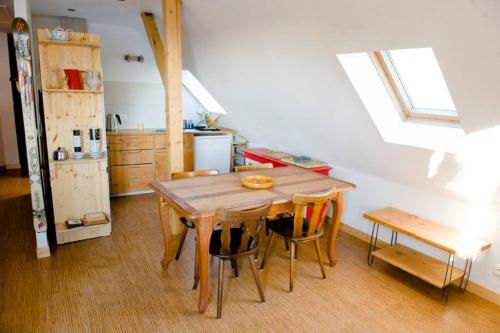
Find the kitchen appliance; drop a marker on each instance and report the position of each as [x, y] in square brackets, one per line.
[73, 77]
[213, 152]
[113, 120]
[60, 154]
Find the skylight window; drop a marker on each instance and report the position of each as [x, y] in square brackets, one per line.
[414, 78]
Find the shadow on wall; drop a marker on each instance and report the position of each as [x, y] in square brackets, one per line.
[477, 180]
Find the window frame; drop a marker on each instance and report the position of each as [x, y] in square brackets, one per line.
[395, 86]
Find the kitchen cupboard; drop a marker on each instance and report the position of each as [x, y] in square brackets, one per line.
[79, 186]
[137, 158]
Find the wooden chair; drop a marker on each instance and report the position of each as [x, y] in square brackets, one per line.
[189, 224]
[256, 167]
[230, 242]
[253, 167]
[301, 229]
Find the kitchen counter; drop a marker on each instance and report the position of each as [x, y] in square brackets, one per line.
[152, 131]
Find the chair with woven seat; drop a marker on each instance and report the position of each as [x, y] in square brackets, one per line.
[304, 226]
[238, 237]
[189, 224]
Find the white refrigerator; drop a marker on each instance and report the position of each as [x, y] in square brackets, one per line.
[213, 152]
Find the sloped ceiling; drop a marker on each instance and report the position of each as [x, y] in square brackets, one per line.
[115, 12]
[272, 66]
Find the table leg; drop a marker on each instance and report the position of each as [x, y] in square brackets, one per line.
[165, 225]
[203, 233]
[332, 237]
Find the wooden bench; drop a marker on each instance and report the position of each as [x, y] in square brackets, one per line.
[439, 274]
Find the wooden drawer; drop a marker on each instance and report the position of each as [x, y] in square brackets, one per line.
[160, 141]
[125, 157]
[131, 178]
[130, 142]
[120, 174]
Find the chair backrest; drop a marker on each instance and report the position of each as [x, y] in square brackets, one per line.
[189, 174]
[253, 167]
[250, 221]
[310, 212]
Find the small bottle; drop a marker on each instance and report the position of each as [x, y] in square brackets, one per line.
[95, 141]
[77, 141]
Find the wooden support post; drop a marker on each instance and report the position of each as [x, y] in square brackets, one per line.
[173, 89]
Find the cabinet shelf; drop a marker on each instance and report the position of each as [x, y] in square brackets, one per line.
[73, 91]
[67, 235]
[90, 44]
[420, 265]
[81, 160]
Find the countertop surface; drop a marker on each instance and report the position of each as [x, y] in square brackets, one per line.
[153, 131]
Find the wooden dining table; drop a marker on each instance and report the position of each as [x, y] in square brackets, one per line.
[197, 198]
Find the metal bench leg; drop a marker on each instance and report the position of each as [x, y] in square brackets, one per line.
[372, 243]
[447, 281]
[466, 276]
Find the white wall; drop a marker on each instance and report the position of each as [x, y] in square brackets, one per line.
[274, 67]
[132, 89]
[144, 102]
[9, 155]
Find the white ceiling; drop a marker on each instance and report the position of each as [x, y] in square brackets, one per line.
[124, 13]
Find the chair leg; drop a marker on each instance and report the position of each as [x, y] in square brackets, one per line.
[266, 253]
[287, 244]
[181, 242]
[220, 288]
[234, 265]
[256, 277]
[196, 269]
[320, 257]
[292, 258]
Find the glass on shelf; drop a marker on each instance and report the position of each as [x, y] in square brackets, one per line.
[54, 78]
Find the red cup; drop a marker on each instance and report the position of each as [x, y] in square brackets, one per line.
[73, 76]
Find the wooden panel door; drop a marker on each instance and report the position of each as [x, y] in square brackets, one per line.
[161, 165]
[79, 190]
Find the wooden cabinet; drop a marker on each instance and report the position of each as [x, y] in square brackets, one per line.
[78, 186]
[138, 158]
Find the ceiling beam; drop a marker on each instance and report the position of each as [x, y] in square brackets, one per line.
[155, 40]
